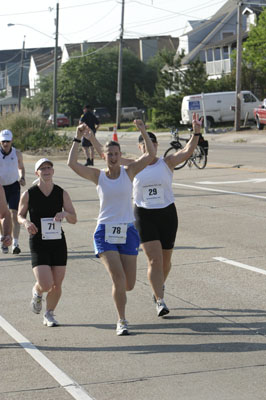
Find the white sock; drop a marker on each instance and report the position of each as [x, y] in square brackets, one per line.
[15, 242]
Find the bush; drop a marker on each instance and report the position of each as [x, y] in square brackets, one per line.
[30, 130]
[168, 115]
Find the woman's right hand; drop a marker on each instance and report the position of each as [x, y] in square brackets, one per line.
[31, 228]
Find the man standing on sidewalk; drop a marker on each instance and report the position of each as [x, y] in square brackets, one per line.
[12, 175]
[93, 123]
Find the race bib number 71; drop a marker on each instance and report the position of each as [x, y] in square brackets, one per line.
[51, 229]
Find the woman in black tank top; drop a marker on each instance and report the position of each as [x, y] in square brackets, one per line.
[47, 204]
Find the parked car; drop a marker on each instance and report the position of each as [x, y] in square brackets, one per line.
[260, 115]
[61, 120]
[102, 114]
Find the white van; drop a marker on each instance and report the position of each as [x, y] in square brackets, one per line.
[127, 113]
[218, 106]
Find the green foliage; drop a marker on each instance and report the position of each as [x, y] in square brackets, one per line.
[168, 115]
[167, 110]
[93, 80]
[254, 56]
[31, 131]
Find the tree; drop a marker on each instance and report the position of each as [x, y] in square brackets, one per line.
[254, 55]
[173, 78]
[92, 79]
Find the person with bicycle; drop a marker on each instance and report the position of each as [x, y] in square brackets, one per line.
[155, 211]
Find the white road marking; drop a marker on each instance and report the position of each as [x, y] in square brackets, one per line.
[65, 381]
[240, 265]
[220, 191]
[259, 180]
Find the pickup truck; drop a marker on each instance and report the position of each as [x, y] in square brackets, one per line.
[260, 115]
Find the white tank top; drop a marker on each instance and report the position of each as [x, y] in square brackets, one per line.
[152, 187]
[115, 198]
[9, 168]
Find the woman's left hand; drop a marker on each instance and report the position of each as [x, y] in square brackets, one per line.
[60, 216]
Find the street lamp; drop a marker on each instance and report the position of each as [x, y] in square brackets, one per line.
[31, 27]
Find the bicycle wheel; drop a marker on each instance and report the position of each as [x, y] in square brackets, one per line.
[199, 157]
[172, 150]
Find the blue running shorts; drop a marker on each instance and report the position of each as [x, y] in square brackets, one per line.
[131, 246]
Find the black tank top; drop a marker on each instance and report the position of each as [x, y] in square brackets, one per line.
[41, 206]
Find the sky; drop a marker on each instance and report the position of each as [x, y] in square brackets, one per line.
[96, 20]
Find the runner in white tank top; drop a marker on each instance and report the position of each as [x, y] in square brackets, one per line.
[12, 176]
[116, 239]
[155, 212]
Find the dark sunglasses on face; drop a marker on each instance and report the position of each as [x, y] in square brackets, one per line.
[6, 141]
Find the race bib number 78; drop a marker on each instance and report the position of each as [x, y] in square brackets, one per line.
[116, 233]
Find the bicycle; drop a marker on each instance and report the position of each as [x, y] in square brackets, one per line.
[199, 156]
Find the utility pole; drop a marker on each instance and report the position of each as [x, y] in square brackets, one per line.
[120, 66]
[238, 67]
[55, 66]
[21, 75]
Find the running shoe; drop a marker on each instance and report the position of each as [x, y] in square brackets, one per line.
[36, 302]
[16, 250]
[161, 308]
[4, 249]
[122, 328]
[48, 319]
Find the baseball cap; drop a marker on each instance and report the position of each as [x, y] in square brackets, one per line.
[151, 135]
[42, 161]
[6, 135]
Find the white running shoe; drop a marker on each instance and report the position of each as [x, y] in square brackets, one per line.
[48, 319]
[122, 328]
[36, 302]
[161, 308]
[4, 249]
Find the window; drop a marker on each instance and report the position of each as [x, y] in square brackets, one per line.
[217, 53]
[225, 52]
[248, 98]
[209, 55]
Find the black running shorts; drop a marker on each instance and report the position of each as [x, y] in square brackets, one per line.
[157, 224]
[52, 254]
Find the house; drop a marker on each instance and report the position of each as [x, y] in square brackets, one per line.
[41, 65]
[10, 75]
[213, 40]
[144, 48]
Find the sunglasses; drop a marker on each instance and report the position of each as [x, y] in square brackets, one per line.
[6, 141]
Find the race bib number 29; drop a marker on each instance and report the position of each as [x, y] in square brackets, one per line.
[153, 194]
[51, 229]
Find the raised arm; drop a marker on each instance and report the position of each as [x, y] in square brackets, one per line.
[138, 165]
[181, 155]
[89, 173]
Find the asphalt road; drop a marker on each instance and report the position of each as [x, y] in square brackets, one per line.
[212, 345]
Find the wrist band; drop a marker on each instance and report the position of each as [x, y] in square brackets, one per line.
[196, 134]
[76, 140]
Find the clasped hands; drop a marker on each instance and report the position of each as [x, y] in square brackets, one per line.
[84, 130]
